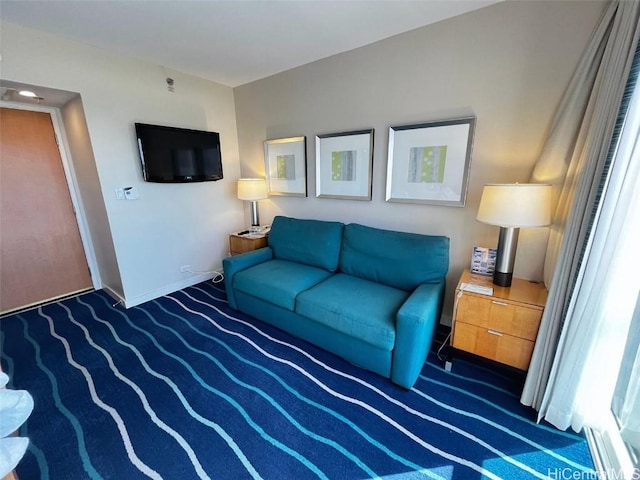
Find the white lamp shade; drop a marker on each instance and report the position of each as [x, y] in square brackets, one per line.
[516, 205]
[252, 189]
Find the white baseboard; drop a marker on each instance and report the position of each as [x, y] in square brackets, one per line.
[113, 293]
[174, 287]
[446, 319]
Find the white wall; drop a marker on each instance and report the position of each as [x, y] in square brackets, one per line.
[507, 64]
[90, 192]
[170, 225]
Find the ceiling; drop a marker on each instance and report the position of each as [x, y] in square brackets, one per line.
[230, 42]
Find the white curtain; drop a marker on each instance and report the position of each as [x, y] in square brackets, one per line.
[592, 342]
[572, 160]
[626, 399]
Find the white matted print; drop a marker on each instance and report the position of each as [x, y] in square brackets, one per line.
[429, 162]
[344, 163]
[286, 166]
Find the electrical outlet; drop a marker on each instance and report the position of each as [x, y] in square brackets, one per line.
[131, 193]
[185, 268]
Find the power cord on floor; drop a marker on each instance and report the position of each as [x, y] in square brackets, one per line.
[218, 276]
[445, 343]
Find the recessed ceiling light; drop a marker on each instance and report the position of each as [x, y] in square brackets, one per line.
[27, 93]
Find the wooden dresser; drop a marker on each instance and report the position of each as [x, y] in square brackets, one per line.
[502, 326]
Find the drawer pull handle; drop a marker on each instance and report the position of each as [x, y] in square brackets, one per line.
[499, 303]
[493, 332]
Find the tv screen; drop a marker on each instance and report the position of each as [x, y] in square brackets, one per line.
[171, 155]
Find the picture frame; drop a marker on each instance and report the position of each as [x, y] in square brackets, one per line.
[286, 166]
[429, 162]
[483, 260]
[344, 165]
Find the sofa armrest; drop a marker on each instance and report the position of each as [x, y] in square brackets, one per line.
[237, 263]
[416, 323]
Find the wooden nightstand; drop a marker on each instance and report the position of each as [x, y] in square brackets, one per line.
[501, 327]
[246, 243]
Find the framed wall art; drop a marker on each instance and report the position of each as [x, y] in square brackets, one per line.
[344, 165]
[286, 166]
[429, 162]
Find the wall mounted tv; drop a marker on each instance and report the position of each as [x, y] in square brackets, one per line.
[177, 155]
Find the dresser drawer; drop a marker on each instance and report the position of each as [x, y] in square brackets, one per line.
[241, 244]
[493, 344]
[503, 316]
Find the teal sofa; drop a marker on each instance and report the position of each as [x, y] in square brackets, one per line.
[371, 296]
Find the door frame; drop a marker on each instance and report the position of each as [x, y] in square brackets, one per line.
[72, 183]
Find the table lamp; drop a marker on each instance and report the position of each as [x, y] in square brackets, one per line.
[253, 189]
[511, 207]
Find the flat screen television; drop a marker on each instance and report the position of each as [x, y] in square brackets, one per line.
[177, 155]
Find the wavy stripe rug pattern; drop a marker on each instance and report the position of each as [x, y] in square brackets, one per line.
[183, 387]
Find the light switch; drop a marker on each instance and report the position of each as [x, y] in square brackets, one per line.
[120, 193]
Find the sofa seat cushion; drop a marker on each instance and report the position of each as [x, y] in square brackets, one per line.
[278, 281]
[354, 306]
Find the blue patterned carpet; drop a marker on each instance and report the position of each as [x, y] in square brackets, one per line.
[184, 387]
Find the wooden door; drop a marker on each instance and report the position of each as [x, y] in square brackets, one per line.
[41, 253]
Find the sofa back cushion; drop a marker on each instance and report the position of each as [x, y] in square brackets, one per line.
[400, 260]
[311, 242]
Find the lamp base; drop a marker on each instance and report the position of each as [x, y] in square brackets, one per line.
[255, 217]
[507, 244]
[502, 279]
